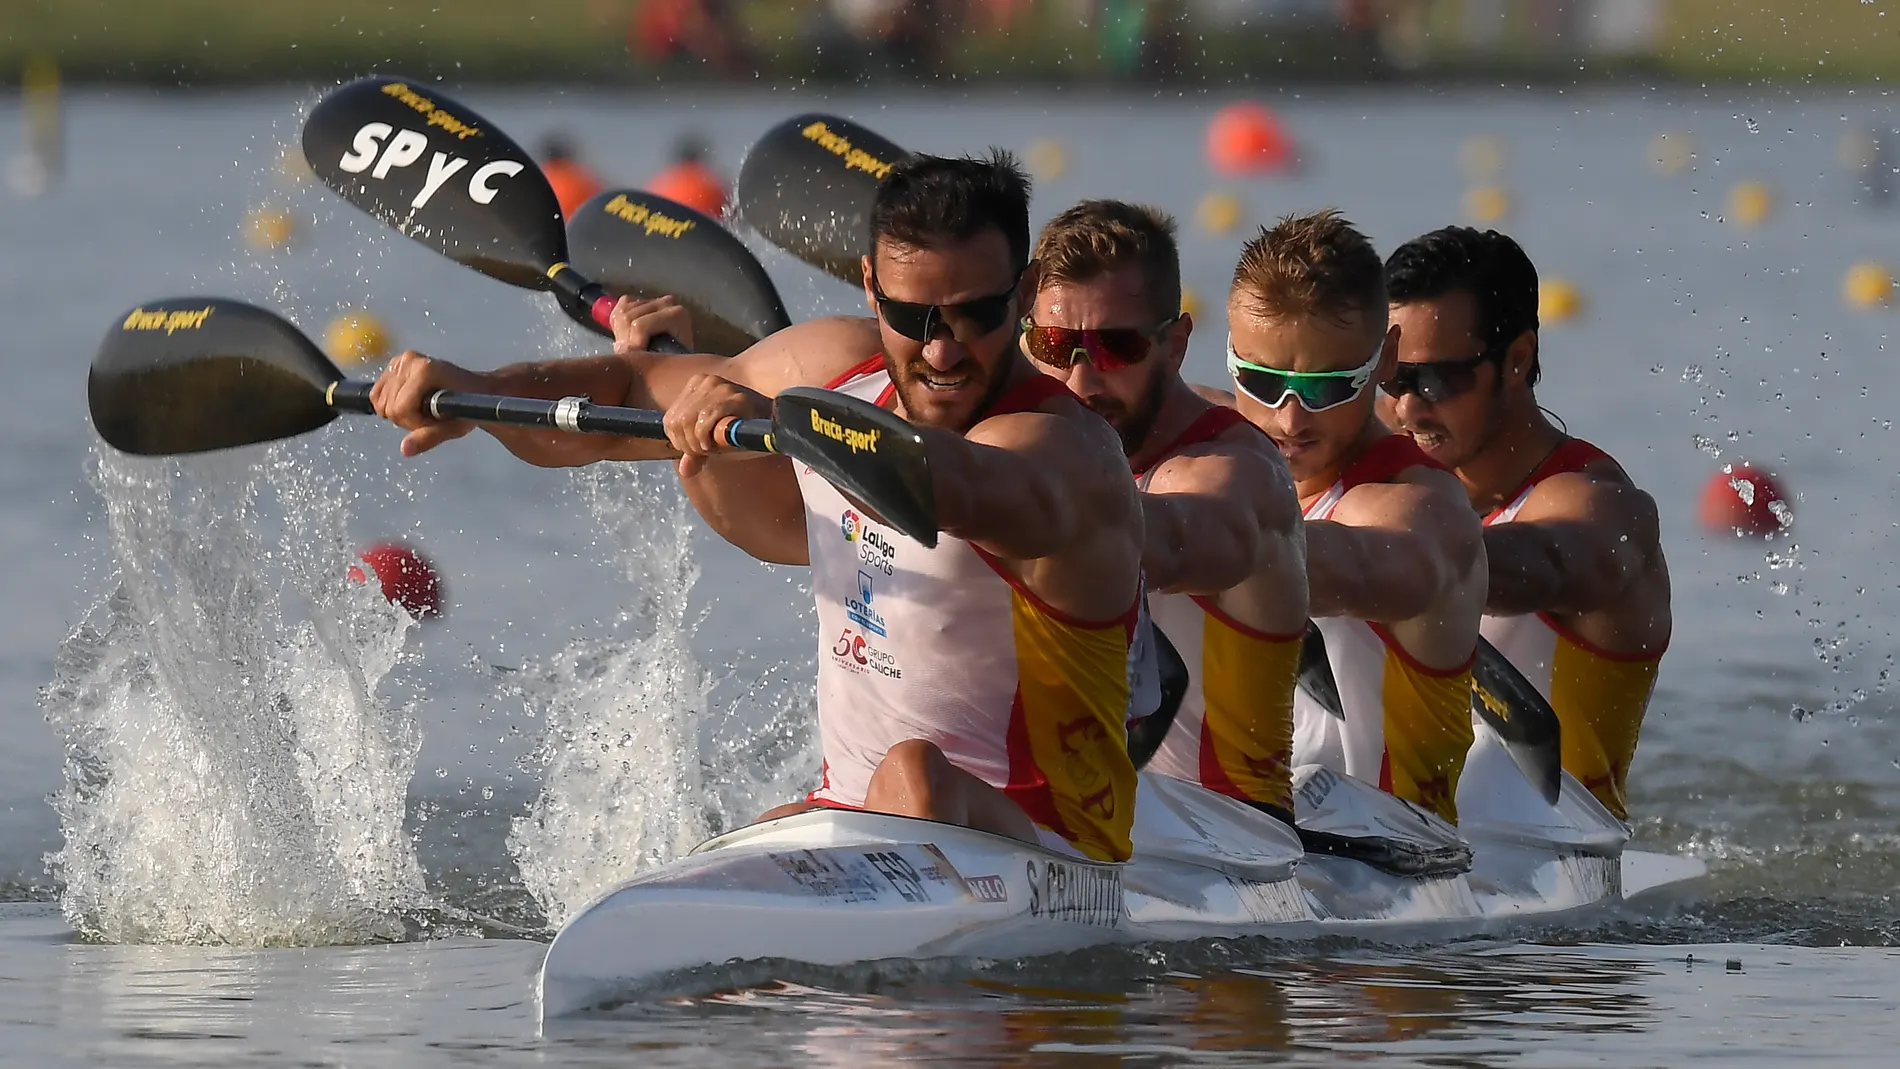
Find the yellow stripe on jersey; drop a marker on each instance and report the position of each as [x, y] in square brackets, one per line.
[1070, 726]
[1247, 682]
[1427, 734]
[1600, 702]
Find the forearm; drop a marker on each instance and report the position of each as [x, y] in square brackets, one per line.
[754, 503]
[994, 497]
[1365, 572]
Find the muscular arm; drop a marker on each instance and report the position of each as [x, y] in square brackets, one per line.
[1576, 547]
[1028, 485]
[1216, 516]
[1393, 550]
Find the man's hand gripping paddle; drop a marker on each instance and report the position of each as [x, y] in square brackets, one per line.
[194, 374]
[443, 175]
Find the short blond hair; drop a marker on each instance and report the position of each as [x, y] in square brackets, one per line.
[1097, 236]
[1311, 265]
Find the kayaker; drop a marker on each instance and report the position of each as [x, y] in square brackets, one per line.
[1224, 547]
[984, 682]
[1579, 590]
[1394, 557]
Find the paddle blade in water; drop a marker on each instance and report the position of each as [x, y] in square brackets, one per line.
[439, 173]
[1512, 707]
[193, 374]
[866, 452]
[644, 245]
[808, 185]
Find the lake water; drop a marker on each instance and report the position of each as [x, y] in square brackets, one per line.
[216, 739]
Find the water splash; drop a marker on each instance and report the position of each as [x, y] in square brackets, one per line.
[231, 776]
[640, 760]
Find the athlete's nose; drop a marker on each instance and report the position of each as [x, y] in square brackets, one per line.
[1084, 380]
[1408, 408]
[944, 352]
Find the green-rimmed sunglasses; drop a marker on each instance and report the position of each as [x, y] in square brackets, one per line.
[1317, 391]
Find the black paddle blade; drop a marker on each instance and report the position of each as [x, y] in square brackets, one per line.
[873, 458]
[1512, 707]
[193, 374]
[808, 185]
[439, 173]
[1316, 673]
[644, 245]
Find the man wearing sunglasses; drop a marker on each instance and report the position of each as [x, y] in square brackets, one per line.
[984, 682]
[1579, 590]
[1224, 546]
[1394, 558]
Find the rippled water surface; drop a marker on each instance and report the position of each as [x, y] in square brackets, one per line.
[242, 748]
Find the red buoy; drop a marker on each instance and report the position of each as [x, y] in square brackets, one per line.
[408, 578]
[1742, 498]
[1247, 139]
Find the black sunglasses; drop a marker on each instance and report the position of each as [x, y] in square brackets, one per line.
[1438, 381]
[966, 321]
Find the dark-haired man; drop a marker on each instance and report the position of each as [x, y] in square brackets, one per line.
[1579, 590]
[1224, 546]
[984, 682]
[1394, 557]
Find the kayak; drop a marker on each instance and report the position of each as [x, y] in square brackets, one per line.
[838, 887]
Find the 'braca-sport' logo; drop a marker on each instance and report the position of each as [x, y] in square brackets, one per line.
[855, 158]
[646, 218]
[855, 440]
[434, 114]
[167, 320]
[380, 148]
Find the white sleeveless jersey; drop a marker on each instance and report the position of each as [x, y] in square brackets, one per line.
[1600, 697]
[1234, 731]
[946, 646]
[1407, 727]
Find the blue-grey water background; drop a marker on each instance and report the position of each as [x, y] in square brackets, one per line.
[1771, 749]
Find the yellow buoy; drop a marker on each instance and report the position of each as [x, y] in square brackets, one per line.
[1750, 203]
[1190, 303]
[356, 337]
[269, 228]
[1672, 151]
[1482, 157]
[1558, 301]
[1487, 204]
[1220, 212]
[1869, 284]
[1047, 160]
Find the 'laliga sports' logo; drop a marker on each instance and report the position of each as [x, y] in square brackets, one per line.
[851, 525]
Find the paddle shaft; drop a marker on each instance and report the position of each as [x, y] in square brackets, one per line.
[575, 414]
[600, 305]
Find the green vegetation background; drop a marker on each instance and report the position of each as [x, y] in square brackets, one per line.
[170, 42]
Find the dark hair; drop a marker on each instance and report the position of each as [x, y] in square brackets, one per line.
[1308, 265]
[1488, 265]
[1097, 236]
[927, 200]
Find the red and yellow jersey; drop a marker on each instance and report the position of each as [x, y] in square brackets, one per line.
[1407, 726]
[947, 645]
[1234, 731]
[1600, 697]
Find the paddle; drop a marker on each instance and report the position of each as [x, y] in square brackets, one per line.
[644, 245]
[194, 374]
[444, 176]
[1500, 696]
[807, 187]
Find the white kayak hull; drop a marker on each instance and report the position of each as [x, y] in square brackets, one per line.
[833, 888]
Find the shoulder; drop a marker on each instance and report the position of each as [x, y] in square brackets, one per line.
[812, 353]
[1238, 459]
[1598, 495]
[1422, 497]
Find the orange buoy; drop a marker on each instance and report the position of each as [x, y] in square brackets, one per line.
[1746, 500]
[573, 181]
[408, 577]
[1247, 139]
[693, 184]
